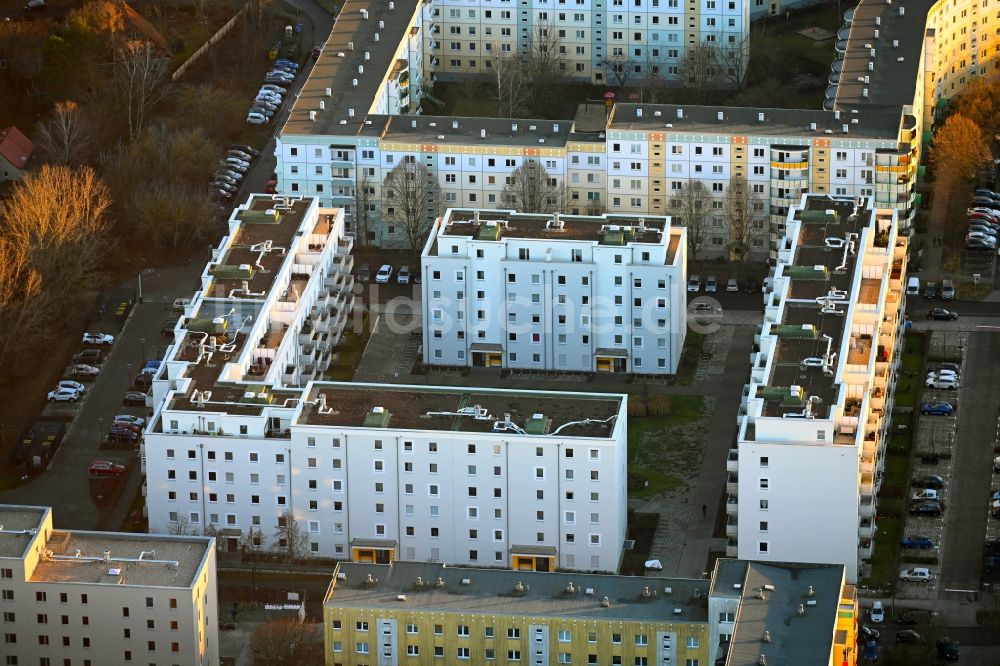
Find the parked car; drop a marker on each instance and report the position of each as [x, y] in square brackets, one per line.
[70, 384]
[134, 398]
[916, 542]
[996, 465]
[64, 395]
[130, 420]
[979, 246]
[122, 435]
[250, 150]
[35, 6]
[908, 636]
[949, 367]
[869, 633]
[937, 408]
[942, 383]
[942, 373]
[218, 193]
[930, 290]
[223, 178]
[256, 119]
[929, 481]
[384, 273]
[267, 105]
[125, 429]
[106, 468]
[98, 339]
[231, 173]
[870, 650]
[732, 284]
[925, 494]
[916, 575]
[239, 154]
[711, 284]
[84, 371]
[930, 508]
[233, 167]
[143, 380]
[877, 613]
[694, 283]
[947, 290]
[365, 272]
[218, 184]
[947, 649]
[88, 356]
[286, 62]
[914, 617]
[940, 314]
[403, 277]
[281, 90]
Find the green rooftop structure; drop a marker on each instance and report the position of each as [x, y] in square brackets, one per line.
[377, 418]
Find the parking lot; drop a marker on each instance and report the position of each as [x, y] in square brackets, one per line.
[78, 500]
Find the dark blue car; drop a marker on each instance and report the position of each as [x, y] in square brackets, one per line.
[870, 651]
[937, 408]
[916, 542]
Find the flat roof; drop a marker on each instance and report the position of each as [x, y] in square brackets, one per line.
[736, 120]
[728, 577]
[402, 407]
[263, 242]
[509, 224]
[893, 77]
[519, 132]
[18, 526]
[353, 36]
[167, 561]
[823, 265]
[492, 592]
[795, 639]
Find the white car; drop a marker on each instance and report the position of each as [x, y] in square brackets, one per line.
[384, 274]
[235, 161]
[980, 236]
[694, 283]
[84, 370]
[130, 420]
[403, 277]
[916, 575]
[278, 90]
[64, 395]
[70, 384]
[877, 613]
[98, 339]
[926, 494]
[711, 284]
[256, 119]
[942, 383]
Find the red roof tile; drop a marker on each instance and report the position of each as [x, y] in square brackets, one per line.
[15, 147]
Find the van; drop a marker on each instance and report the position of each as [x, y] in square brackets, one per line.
[913, 286]
[947, 290]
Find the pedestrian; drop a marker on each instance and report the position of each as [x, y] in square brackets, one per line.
[704, 510]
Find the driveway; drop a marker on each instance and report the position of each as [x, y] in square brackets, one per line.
[66, 485]
[971, 472]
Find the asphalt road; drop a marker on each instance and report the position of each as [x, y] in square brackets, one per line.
[971, 473]
[66, 484]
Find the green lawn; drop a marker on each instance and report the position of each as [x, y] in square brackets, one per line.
[656, 447]
[911, 369]
[690, 355]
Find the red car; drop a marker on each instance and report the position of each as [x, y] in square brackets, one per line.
[106, 468]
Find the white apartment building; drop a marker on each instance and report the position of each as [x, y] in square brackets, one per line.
[375, 472]
[804, 475]
[242, 435]
[599, 41]
[554, 292]
[84, 598]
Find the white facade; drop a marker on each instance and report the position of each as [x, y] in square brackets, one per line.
[804, 477]
[425, 493]
[564, 293]
[96, 598]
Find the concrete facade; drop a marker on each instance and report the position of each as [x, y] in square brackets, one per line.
[557, 293]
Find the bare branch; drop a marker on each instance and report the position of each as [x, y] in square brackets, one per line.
[691, 207]
[140, 81]
[411, 199]
[530, 189]
[66, 138]
[746, 211]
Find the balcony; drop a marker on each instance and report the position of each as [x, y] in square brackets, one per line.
[865, 548]
[732, 548]
[733, 461]
[867, 485]
[867, 508]
[731, 526]
[732, 505]
[866, 528]
[732, 483]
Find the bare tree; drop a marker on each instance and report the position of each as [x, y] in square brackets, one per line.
[252, 544]
[732, 57]
[690, 207]
[411, 199]
[653, 87]
[698, 68]
[139, 79]
[508, 81]
[543, 64]
[181, 526]
[364, 201]
[531, 189]
[746, 212]
[66, 137]
[52, 240]
[290, 539]
[287, 641]
[595, 207]
[616, 67]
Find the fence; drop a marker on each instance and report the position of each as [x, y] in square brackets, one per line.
[219, 34]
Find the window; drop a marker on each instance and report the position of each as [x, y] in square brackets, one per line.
[565, 636]
[765, 484]
[763, 461]
[762, 547]
[692, 642]
[641, 639]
